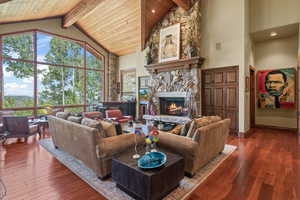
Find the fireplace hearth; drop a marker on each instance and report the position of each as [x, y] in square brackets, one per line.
[173, 106]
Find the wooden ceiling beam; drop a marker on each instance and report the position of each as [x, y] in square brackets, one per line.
[83, 8]
[185, 4]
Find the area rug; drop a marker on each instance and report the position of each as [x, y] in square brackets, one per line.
[108, 188]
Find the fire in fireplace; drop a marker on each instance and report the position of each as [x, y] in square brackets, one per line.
[172, 106]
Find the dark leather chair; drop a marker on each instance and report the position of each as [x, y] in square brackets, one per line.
[117, 115]
[18, 127]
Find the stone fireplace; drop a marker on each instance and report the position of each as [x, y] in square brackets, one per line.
[175, 88]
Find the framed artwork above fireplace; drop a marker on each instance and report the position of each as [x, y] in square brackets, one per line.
[169, 43]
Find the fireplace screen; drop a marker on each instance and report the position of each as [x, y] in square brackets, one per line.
[172, 106]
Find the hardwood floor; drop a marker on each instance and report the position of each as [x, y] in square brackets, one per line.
[265, 166]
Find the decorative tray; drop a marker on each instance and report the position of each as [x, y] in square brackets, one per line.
[152, 160]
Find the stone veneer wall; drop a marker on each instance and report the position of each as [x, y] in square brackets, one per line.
[113, 71]
[189, 28]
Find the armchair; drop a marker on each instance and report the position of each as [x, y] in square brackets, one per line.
[18, 127]
[117, 115]
[93, 115]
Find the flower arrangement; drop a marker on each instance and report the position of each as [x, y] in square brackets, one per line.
[152, 139]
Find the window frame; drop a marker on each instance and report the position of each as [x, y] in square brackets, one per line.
[85, 45]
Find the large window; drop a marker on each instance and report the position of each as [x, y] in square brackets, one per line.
[40, 69]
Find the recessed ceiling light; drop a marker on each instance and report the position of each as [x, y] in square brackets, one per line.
[273, 34]
[153, 11]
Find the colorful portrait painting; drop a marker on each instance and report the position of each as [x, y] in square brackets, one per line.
[169, 44]
[276, 88]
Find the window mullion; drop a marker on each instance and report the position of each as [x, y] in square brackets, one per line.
[35, 73]
[85, 80]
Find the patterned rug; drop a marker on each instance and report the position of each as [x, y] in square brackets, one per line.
[108, 188]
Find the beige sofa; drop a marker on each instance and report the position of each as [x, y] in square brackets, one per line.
[206, 143]
[85, 144]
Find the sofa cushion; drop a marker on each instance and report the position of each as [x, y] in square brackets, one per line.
[109, 128]
[74, 119]
[176, 130]
[63, 115]
[94, 124]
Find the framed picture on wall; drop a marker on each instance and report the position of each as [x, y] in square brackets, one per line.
[276, 88]
[144, 90]
[169, 43]
[128, 84]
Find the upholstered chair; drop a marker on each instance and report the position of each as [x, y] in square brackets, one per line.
[19, 127]
[117, 115]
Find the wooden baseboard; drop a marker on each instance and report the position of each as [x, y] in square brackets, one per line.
[276, 128]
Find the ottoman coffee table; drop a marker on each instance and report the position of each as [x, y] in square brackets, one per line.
[147, 184]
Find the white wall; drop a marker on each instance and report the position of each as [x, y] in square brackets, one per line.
[276, 54]
[266, 14]
[137, 61]
[224, 22]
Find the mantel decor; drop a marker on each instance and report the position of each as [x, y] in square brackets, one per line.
[190, 63]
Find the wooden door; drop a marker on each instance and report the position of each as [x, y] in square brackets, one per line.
[220, 94]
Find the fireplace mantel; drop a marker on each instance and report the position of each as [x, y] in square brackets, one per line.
[194, 62]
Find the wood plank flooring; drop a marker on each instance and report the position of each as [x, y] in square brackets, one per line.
[265, 166]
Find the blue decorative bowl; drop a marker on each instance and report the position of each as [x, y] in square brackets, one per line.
[152, 160]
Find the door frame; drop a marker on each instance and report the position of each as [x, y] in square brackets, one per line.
[252, 91]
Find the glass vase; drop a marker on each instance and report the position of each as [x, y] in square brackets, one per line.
[148, 148]
[153, 147]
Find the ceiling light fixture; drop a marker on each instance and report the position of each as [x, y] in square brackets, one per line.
[153, 11]
[273, 34]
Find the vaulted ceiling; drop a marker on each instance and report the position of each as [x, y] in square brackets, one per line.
[121, 26]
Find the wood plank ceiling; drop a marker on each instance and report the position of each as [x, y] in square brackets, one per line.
[20, 10]
[121, 26]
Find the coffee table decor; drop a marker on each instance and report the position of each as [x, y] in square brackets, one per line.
[151, 139]
[137, 130]
[152, 160]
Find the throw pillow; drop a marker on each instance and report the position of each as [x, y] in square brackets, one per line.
[196, 136]
[109, 128]
[74, 119]
[202, 121]
[63, 115]
[214, 119]
[76, 114]
[176, 130]
[94, 124]
[185, 128]
[192, 129]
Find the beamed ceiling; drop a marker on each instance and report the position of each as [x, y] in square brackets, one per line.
[121, 26]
